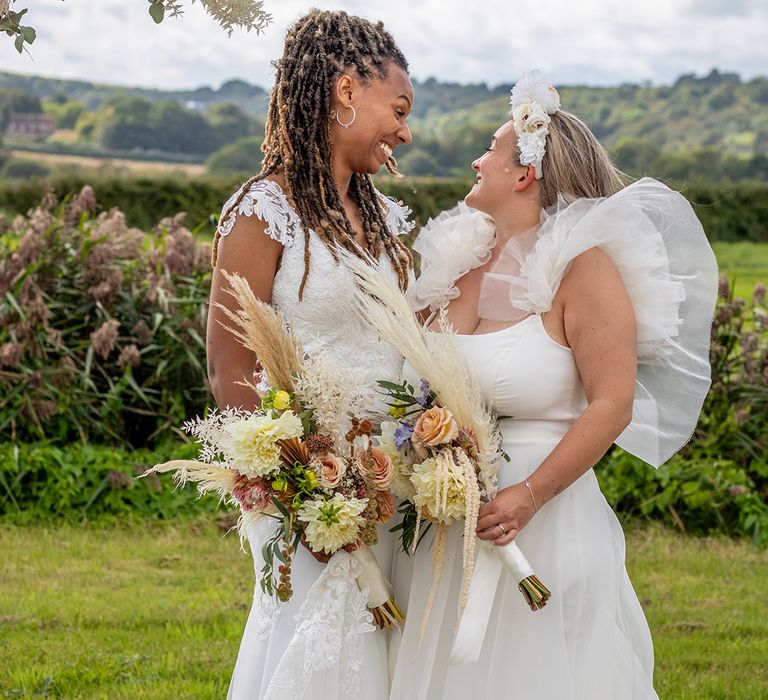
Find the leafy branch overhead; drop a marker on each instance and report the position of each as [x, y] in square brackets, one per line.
[229, 14]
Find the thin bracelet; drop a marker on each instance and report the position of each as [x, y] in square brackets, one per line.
[533, 498]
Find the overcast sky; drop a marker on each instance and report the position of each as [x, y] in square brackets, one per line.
[598, 42]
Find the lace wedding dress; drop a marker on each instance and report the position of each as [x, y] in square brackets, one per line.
[591, 641]
[321, 644]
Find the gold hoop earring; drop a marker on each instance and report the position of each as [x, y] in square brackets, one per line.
[351, 121]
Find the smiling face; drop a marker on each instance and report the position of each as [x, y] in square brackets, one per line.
[381, 109]
[499, 177]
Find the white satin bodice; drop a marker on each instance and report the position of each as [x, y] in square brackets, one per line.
[524, 374]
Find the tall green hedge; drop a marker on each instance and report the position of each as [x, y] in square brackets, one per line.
[732, 212]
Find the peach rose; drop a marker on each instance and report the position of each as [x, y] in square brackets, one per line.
[375, 464]
[434, 427]
[331, 469]
[386, 506]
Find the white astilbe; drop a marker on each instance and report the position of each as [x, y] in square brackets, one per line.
[331, 391]
[246, 14]
[211, 433]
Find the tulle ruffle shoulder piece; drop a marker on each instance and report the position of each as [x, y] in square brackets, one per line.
[669, 270]
[450, 245]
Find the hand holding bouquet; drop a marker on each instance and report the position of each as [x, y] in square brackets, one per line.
[301, 458]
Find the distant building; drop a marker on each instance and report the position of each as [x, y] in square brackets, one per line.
[36, 126]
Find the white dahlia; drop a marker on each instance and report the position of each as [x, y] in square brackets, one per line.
[252, 444]
[330, 524]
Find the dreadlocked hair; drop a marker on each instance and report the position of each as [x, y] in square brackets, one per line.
[297, 137]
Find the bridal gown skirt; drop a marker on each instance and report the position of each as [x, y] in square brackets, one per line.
[278, 662]
[591, 641]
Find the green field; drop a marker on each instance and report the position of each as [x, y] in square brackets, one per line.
[158, 612]
[744, 264]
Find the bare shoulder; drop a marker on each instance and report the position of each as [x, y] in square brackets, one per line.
[591, 266]
[593, 292]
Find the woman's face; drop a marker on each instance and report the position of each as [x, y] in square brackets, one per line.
[382, 108]
[497, 174]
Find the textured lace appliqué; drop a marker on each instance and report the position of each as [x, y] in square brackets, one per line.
[329, 634]
[264, 199]
[268, 613]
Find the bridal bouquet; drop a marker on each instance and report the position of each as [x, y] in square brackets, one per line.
[302, 458]
[444, 441]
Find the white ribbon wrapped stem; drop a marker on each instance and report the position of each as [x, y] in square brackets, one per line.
[371, 577]
[489, 563]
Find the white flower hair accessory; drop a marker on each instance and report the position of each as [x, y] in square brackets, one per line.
[532, 100]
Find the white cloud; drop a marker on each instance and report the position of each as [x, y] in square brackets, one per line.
[592, 41]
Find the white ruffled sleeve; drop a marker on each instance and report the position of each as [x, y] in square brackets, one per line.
[449, 246]
[265, 200]
[669, 270]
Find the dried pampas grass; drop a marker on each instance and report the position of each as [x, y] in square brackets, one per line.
[262, 329]
[433, 356]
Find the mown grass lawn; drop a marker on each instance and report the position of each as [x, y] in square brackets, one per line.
[744, 264]
[157, 612]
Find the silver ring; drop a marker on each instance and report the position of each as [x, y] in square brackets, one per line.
[502, 528]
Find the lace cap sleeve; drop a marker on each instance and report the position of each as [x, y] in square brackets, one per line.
[265, 200]
[398, 215]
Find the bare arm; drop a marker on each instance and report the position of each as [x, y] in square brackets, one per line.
[601, 329]
[249, 252]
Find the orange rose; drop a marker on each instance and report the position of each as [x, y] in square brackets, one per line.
[435, 426]
[386, 506]
[331, 469]
[375, 464]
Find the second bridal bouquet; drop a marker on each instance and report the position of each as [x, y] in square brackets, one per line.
[444, 442]
[302, 458]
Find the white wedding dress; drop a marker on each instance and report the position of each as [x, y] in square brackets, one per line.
[321, 644]
[591, 641]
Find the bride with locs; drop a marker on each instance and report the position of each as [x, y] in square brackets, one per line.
[583, 311]
[337, 112]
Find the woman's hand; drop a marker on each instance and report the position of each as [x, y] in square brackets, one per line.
[501, 519]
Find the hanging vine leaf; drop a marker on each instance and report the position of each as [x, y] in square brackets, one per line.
[229, 14]
[157, 11]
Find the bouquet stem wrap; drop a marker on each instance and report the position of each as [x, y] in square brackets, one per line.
[482, 591]
[385, 611]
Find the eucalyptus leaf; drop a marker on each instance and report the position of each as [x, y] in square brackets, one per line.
[157, 12]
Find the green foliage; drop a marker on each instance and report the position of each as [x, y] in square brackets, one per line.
[719, 481]
[230, 123]
[24, 169]
[133, 122]
[242, 157]
[40, 483]
[65, 112]
[17, 101]
[728, 212]
[103, 327]
[712, 128]
[10, 23]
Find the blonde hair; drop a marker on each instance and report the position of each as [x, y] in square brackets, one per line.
[575, 163]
